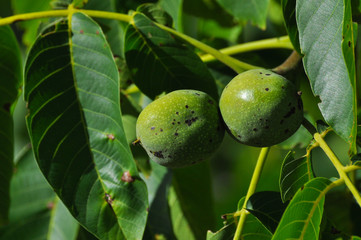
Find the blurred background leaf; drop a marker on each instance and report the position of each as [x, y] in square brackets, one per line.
[10, 88]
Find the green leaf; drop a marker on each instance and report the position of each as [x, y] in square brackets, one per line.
[159, 63]
[10, 81]
[158, 183]
[253, 229]
[267, 207]
[301, 138]
[174, 8]
[302, 218]
[346, 218]
[193, 189]
[31, 26]
[294, 174]
[111, 27]
[36, 212]
[181, 226]
[225, 233]
[209, 9]
[254, 11]
[155, 13]
[289, 15]
[327, 41]
[75, 125]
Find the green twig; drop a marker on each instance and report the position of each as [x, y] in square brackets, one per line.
[235, 64]
[335, 161]
[279, 42]
[251, 190]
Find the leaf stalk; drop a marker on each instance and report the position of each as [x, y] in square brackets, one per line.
[251, 190]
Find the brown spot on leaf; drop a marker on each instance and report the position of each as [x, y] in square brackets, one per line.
[97, 32]
[81, 31]
[126, 177]
[50, 205]
[109, 199]
[111, 136]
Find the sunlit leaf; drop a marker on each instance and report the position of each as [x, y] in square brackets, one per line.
[327, 41]
[295, 172]
[159, 63]
[10, 81]
[75, 125]
[302, 218]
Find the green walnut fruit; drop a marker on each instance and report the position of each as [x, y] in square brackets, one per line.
[261, 108]
[181, 128]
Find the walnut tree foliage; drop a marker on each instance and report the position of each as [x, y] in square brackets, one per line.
[75, 75]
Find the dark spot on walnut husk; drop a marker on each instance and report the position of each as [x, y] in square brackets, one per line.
[260, 72]
[197, 94]
[187, 106]
[160, 129]
[268, 74]
[349, 43]
[177, 113]
[299, 103]
[266, 89]
[176, 134]
[192, 112]
[292, 111]
[158, 154]
[255, 129]
[152, 128]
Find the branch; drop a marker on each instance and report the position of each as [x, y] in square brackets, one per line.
[335, 161]
[290, 63]
[278, 42]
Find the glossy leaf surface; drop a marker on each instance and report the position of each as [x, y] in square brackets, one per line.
[159, 63]
[295, 172]
[302, 218]
[75, 125]
[327, 41]
[10, 81]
